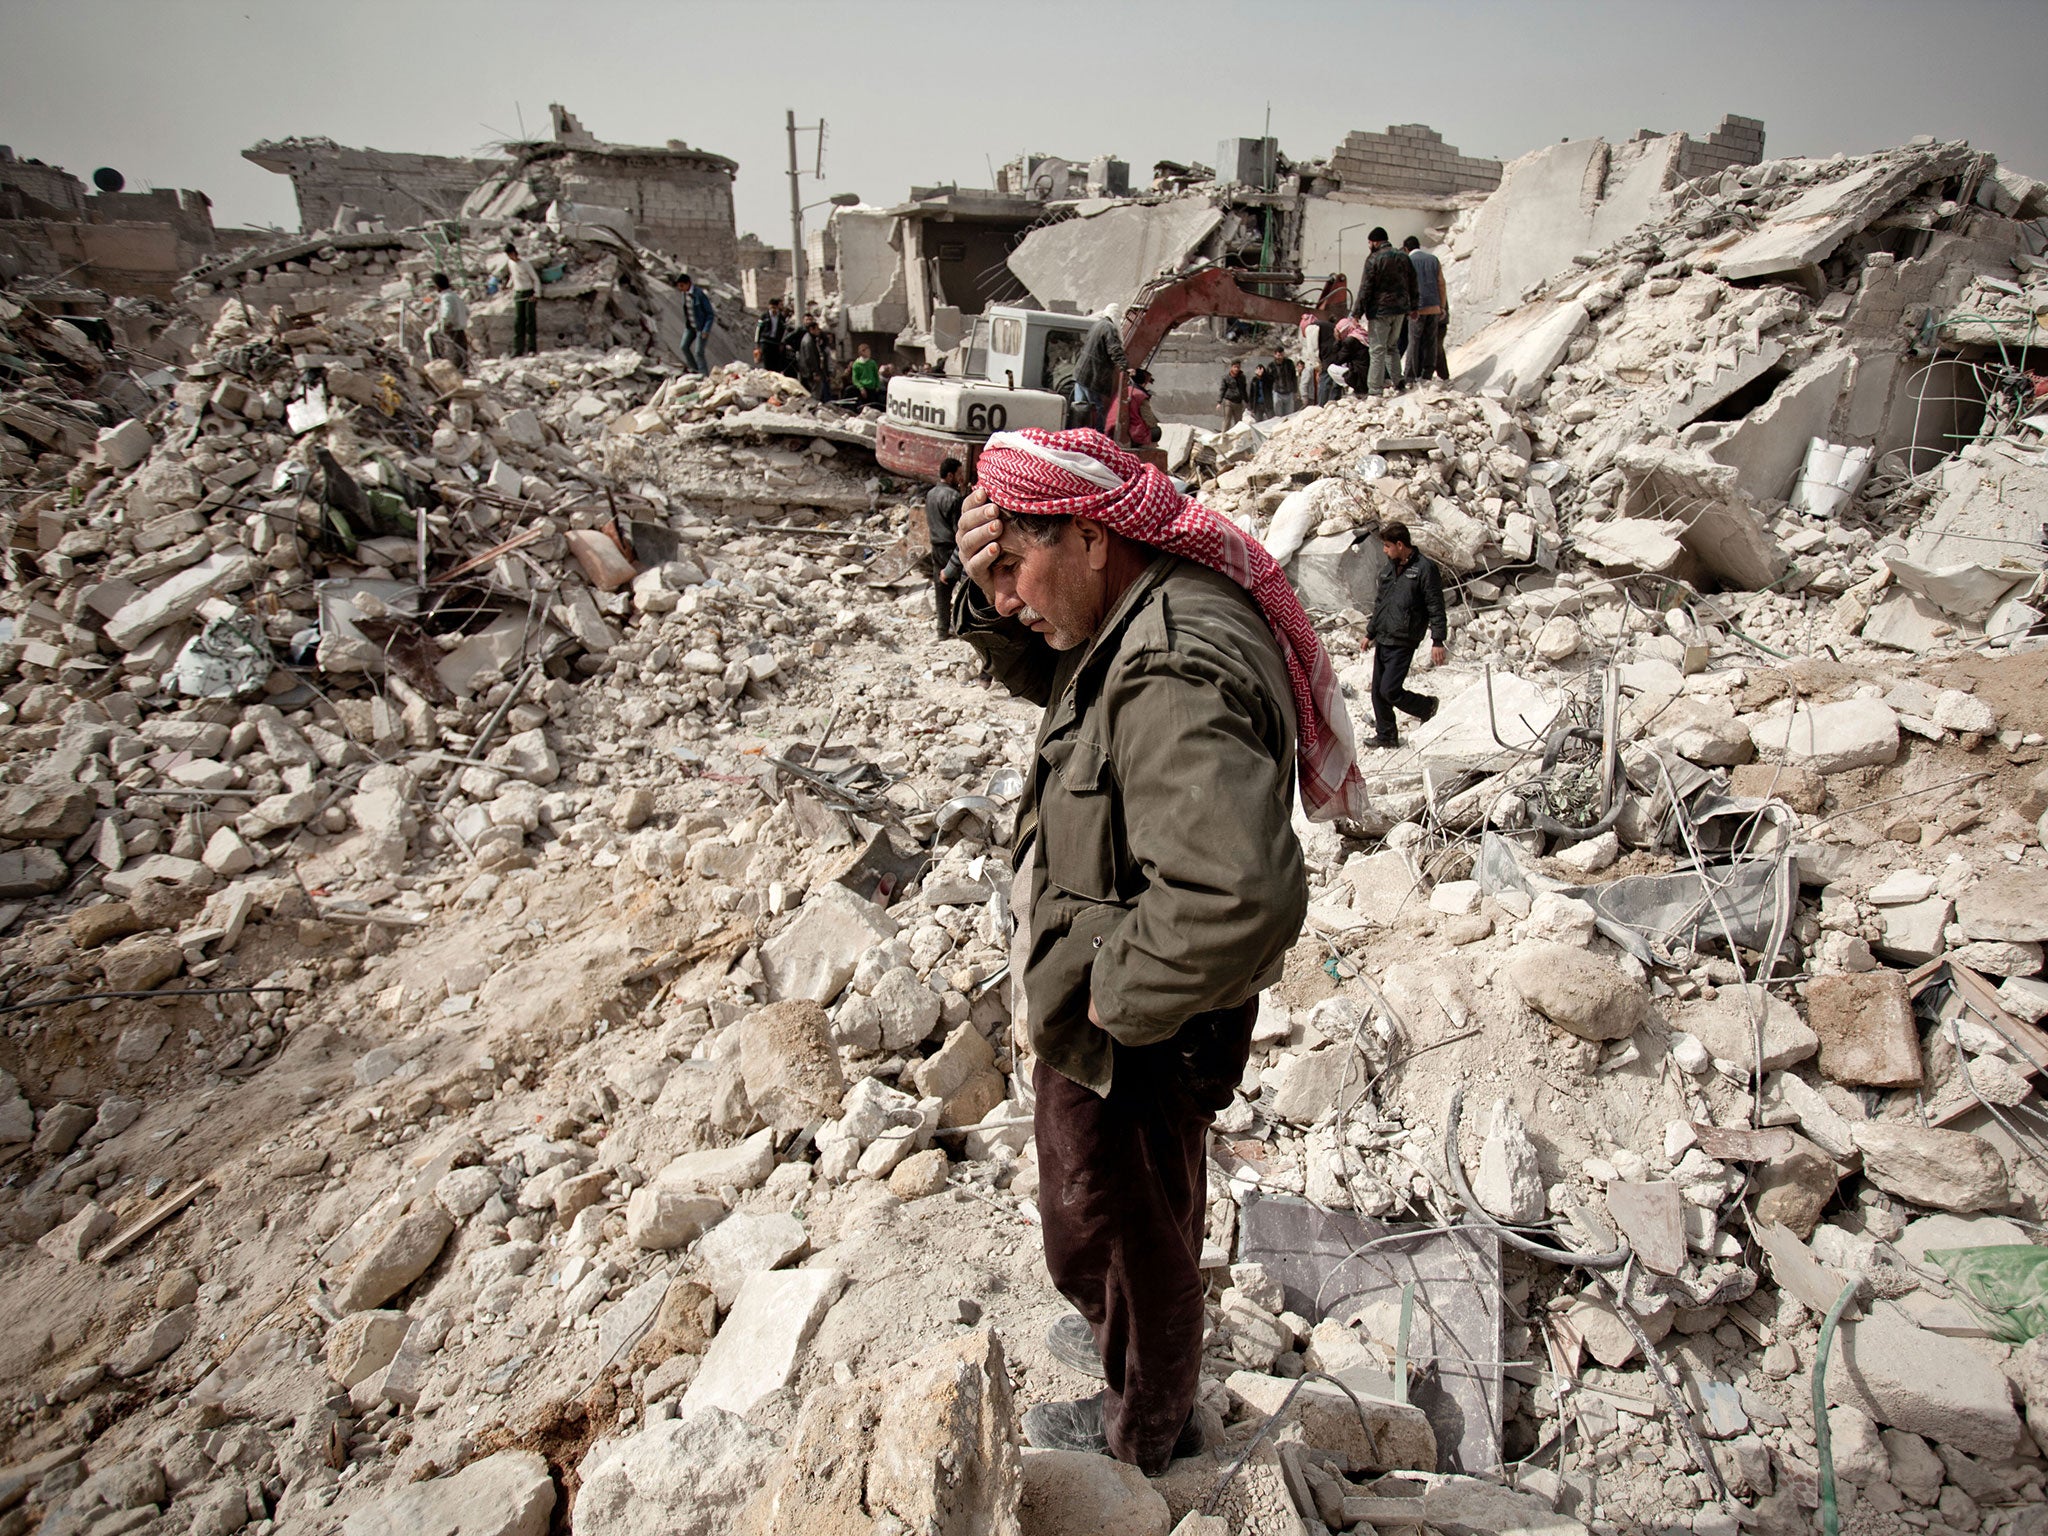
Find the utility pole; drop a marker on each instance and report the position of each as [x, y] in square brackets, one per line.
[796, 222]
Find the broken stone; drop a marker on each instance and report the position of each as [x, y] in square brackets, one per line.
[1069, 1493]
[1866, 1029]
[400, 1256]
[46, 812]
[744, 1245]
[1914, 1380]
[363, 1343]
[150, 1342]
[1948, 1170]
[1391, 1437]
[1726, 1026]
[788, 1063]
[1510, 1182]
[32, 871]
[928, 1445]
[1652, 1218]
[77, 1237]
[813, 958]
[2005, 904]
[507, 1494]
[1830, 738]
[756, 1350]
[1581, 993]
[142, 963]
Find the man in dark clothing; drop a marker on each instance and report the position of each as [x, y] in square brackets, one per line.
[1386, 297]
[1409, 605]
[942, 521]
[771, 339]
[1233, 394]
[1432, 313]
[810, 359]
[698, 318]
[1286, 381]
[1099, 371]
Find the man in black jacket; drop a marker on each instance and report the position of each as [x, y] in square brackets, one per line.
[1409, 605]
[771, 339]
[1386, 297]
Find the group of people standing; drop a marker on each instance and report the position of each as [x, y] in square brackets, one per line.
[805, 351]
[1270, 389]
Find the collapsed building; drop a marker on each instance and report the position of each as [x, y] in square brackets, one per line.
[507, 914]
[1074, 236]
[126, 244]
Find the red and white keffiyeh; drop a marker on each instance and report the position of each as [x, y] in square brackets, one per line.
[1083, 474]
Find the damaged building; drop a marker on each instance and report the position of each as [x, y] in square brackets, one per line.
[134, 244]
[339, 188]
[678, 200]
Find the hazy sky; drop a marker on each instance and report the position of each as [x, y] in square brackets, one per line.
[171, 91]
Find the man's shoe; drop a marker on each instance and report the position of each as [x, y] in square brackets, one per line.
[1192, 1442]
[1074, 1426]
[1072, 1342]
[1386, 743]
[1435, 704]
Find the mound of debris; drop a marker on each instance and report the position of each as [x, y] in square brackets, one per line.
[575, 1077]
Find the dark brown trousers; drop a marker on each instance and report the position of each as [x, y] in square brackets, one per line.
[1123, 1191]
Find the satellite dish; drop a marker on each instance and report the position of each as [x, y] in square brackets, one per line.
[107, 179]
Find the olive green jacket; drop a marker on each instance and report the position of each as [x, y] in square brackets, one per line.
[1169, 881]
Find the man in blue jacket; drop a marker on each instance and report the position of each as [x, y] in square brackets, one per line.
[698, 318]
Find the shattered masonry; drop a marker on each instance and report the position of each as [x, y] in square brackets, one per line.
[620, 1121]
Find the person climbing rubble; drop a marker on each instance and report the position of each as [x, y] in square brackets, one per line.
[1409, 604]
[1182, 683]
[448, 332]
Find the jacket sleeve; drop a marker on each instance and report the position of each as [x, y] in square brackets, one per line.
[1433, 601]
[1114, 346]
[1206, 813]
[1020, 660]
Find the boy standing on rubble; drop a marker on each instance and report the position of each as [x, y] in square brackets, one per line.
[1232, 394]
[1408, 606]
[525, 302]
[698, 318]
[448, 336]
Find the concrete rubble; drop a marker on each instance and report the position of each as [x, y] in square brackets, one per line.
[598, 1103]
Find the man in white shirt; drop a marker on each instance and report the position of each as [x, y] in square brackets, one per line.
[525, 302]
[448, 336]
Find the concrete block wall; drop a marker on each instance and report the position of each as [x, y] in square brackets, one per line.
[684, 210]
[1411, 157]
[1738, 141]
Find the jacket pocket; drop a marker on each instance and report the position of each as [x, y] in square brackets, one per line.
[1077, 819]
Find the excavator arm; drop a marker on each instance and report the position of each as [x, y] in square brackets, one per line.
[1165, 303]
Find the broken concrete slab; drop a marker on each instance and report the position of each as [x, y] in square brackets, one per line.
[1106, 255]
[1923, 1382]
[180, 596]
[1767, 448]
[756, 1348]
[1727, 1026]
[1515, 355]
[1652, 1217]
[1830, 738]
[813, 958]
[507, 1494]
[1946, 1170]
[2009, 904]
[1807, 229]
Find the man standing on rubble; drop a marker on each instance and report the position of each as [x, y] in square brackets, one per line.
[942, 522]
[1432, 313]
[1409, 605]
[1286, 382]
[1386, 297]
[1232, 394]
[1185, 695]
[1099, 371]
[771, 339]
[525, 302]
[698, 318]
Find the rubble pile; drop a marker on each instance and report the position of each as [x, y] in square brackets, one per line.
[573, 1077]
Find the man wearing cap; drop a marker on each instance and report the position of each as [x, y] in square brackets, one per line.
[1185, 696]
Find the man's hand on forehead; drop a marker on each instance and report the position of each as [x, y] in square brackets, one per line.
[980, 535]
